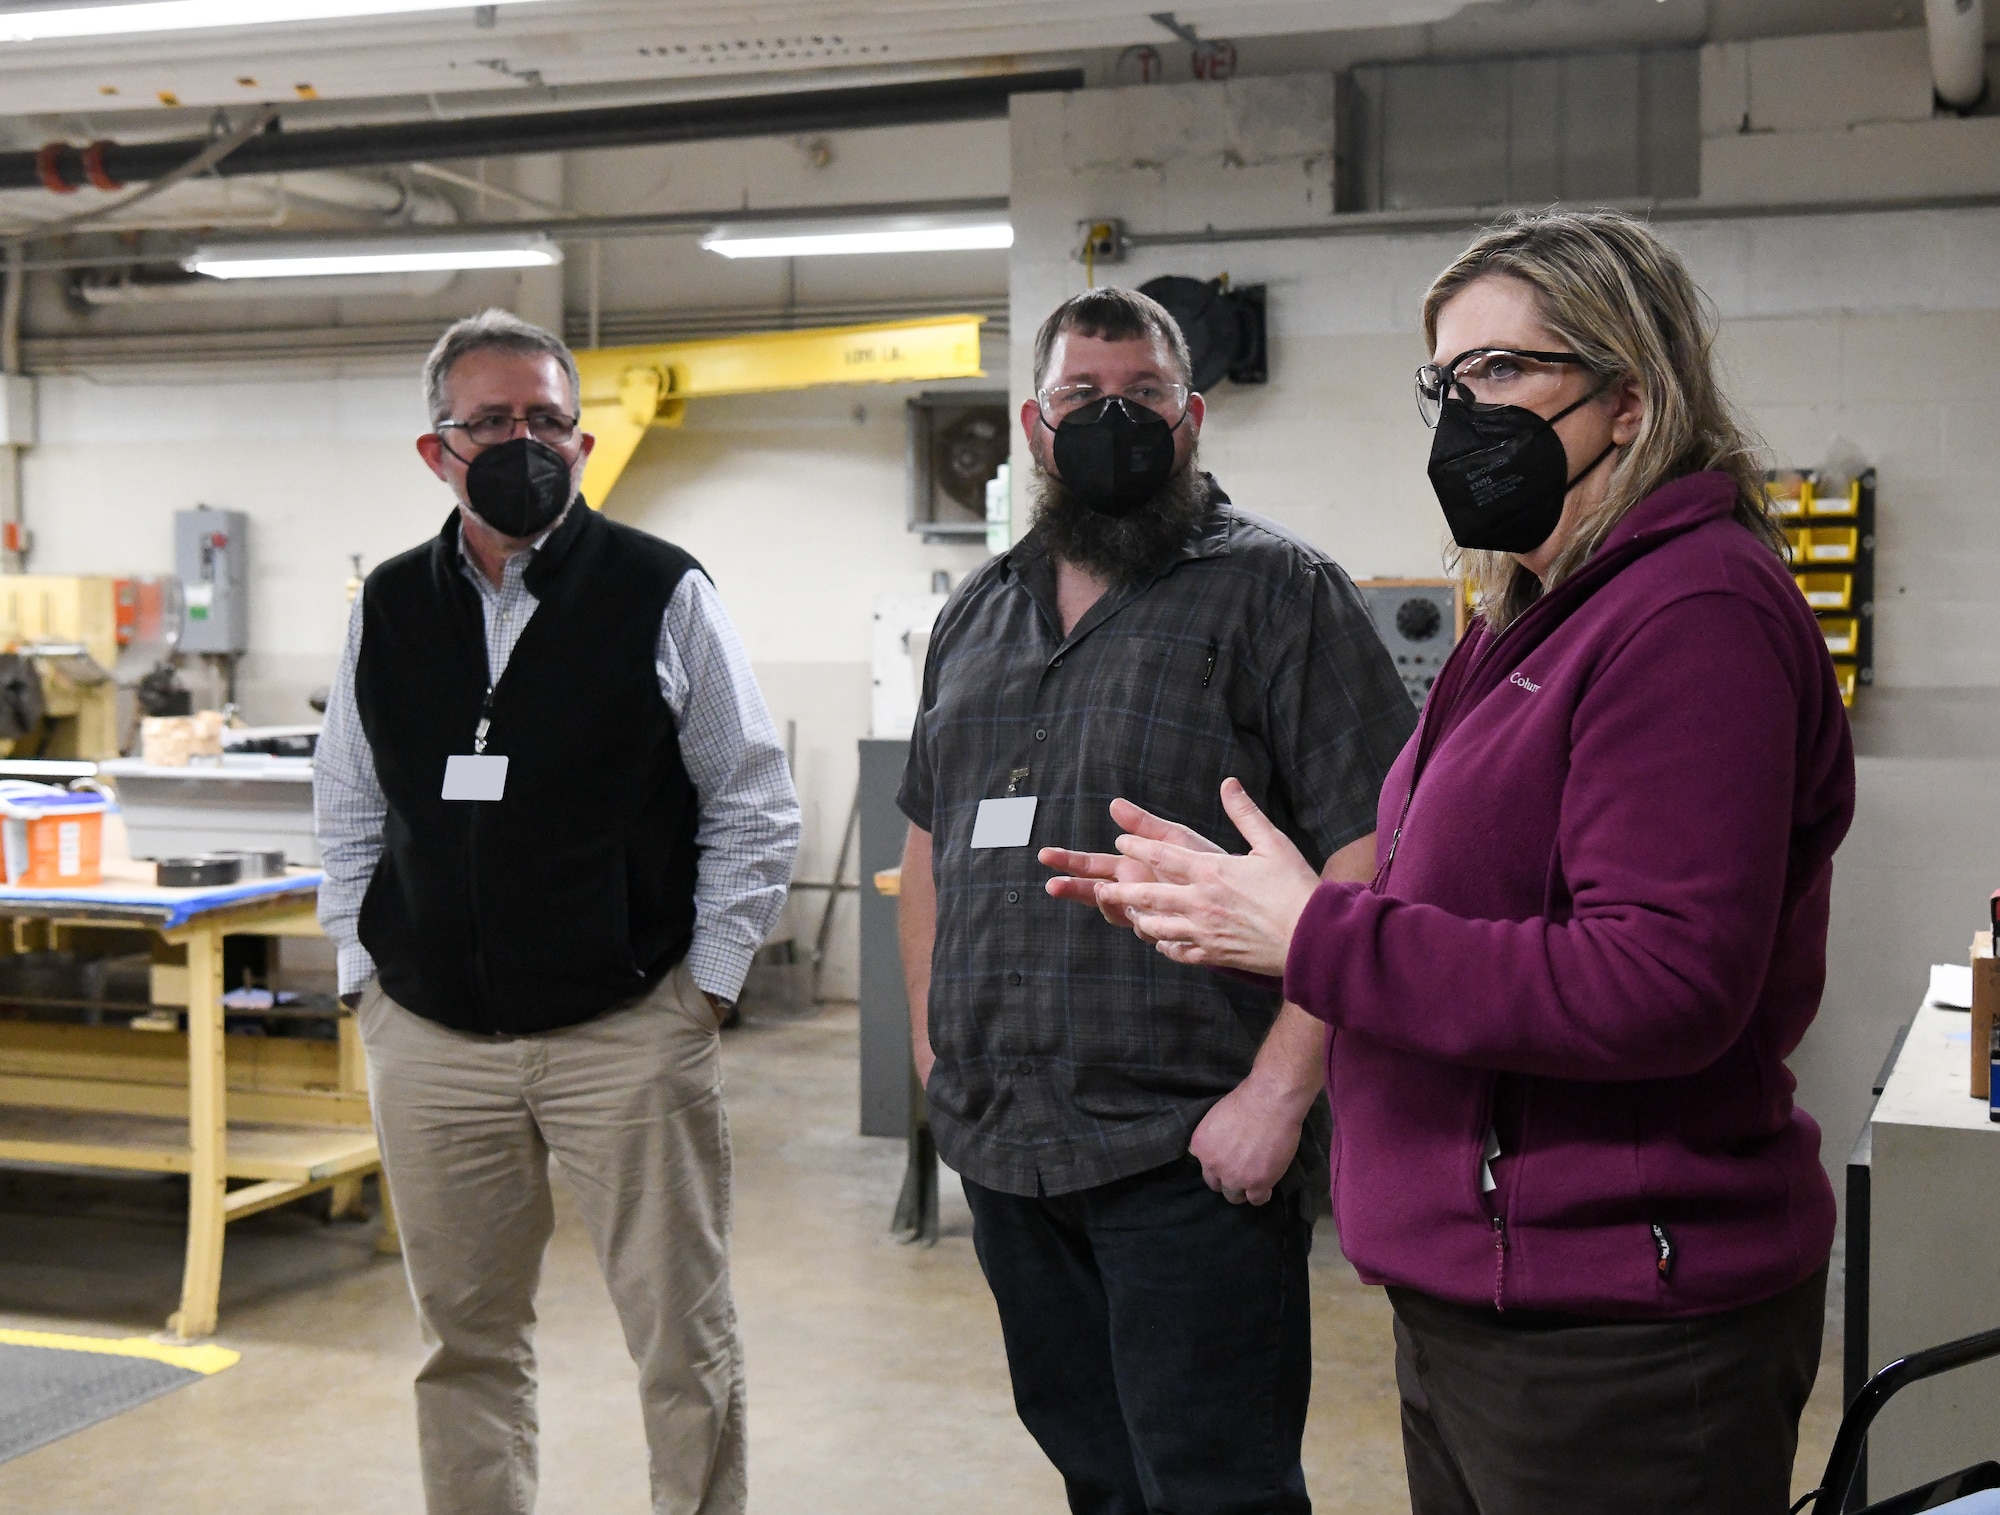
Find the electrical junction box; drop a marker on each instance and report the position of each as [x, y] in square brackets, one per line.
[17, 410]
[212, 560]
[1419, 621]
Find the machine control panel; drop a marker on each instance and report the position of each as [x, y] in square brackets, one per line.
[1419, 621]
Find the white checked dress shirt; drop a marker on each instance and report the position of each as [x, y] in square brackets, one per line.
[748, 827]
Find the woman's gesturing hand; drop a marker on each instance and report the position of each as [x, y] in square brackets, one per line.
[1083, 871]
[1207, 907]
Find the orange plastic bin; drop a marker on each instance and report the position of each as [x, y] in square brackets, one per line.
[53, 838]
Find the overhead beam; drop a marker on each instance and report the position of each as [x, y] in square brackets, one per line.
[627, 390]
[924, 102]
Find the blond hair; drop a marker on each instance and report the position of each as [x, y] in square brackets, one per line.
[1620, 298]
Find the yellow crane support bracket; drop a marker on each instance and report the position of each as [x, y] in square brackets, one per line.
[628, 389]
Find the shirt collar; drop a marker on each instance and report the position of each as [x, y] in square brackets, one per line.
[524, 558]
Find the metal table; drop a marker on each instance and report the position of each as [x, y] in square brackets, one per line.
[284, 1117]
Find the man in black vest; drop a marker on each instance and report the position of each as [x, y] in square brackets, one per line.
[556, 824]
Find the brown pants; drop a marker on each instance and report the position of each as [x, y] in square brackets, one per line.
[630, 1107]
[1645, 1418]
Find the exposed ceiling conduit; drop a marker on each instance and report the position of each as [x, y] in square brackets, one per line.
[206, 158]
[126, 290]
[65, 166]
[315, 202]
[1958, 50]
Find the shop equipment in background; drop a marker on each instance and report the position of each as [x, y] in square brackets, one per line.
[241, 801]
[1830, 535]
[64, 628]
[1419, 621]
[957, 443]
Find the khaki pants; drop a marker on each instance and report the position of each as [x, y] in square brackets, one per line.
[630, 1106]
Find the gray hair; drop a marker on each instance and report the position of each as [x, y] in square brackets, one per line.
[492, 328]
[1113, 315]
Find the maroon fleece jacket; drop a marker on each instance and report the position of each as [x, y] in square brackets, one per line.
[1598, 929]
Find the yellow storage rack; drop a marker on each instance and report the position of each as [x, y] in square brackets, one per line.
[1830, 534]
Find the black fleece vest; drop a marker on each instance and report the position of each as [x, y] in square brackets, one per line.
[574, 892]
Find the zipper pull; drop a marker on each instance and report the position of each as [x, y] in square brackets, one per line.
[1208, 671]
[1663, 1247]
[1388, 861]
[1499, 1260]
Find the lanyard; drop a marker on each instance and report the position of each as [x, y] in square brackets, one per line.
[485, 720]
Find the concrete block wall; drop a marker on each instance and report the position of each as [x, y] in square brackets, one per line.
[1788, 120]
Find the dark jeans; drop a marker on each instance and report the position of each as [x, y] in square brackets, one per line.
[1605, 1418]
[1159, 1338]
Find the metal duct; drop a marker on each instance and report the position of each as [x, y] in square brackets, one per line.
[61, 165]
[1958, 50]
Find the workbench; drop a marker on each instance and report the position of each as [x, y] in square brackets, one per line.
[1923, 1252]
[284, 1116]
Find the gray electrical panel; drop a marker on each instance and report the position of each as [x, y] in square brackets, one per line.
[1419, 621]
[212, 560]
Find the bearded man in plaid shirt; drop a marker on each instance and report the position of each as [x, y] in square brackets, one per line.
[1143, 1144]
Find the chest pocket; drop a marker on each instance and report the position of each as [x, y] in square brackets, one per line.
[1158, 728]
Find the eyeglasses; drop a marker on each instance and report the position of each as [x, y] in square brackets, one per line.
[546, 426]
[1492, 376]
[1058, 402]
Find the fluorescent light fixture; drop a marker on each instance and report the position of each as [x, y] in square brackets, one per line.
[305, 260]
[879, 234]
[190, 15]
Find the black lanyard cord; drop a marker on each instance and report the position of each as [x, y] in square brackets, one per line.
[485, 720]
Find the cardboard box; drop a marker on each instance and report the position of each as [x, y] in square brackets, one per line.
[1985, 1004]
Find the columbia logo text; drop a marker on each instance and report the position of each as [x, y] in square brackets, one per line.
[1526, 683]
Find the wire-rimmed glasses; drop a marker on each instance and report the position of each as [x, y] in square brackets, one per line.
[1492, 376]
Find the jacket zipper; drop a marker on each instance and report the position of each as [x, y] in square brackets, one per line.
[1488, 1108]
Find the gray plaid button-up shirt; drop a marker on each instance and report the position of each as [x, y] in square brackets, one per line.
[1070, 1054]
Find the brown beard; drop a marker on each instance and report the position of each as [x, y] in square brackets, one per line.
[1127, 551]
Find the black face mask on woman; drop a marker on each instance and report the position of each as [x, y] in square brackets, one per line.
[1114, 455]
[1501, 474]
[518, 487]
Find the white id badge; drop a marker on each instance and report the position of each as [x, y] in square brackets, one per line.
[1004, 823]
[475, 776]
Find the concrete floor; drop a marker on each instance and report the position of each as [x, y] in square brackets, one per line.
[876, 1377]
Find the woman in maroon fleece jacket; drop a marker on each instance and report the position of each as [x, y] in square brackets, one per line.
[1566, 1137]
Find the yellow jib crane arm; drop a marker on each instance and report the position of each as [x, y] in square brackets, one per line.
[628, 389]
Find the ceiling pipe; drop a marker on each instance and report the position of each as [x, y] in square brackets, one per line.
[1958, 50]
[62, 166]
[192, 288]
[315, 200]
